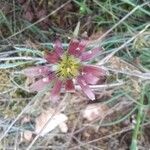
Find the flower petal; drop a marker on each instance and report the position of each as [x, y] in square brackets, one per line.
[90, 78]
[73, 46]
[69, 86]
[76, 47]
[40, 84]
[96, 71]
[82, 45]
[58, 47]
[56, 90]
[85, 88]
[90, 54]
[51, 57]
[36, 71]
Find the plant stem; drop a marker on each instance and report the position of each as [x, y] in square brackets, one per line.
[138, 122]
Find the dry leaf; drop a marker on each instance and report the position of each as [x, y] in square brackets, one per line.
[63, 127]
[53, 119]
[25, 119]
[26, 136]
[118, 63]
[95, 111]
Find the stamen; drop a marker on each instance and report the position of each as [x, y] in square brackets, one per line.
[68, 67]
[68, 70]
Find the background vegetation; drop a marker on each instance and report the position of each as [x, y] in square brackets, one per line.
[122, 28]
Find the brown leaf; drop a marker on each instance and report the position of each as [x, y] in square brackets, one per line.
[63, 127]
[51, 120]
[27, 135]
[118, 63]
[41, 13]
[95, 111]
[28, 15]
[25, 119]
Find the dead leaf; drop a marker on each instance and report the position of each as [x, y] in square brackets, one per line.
[118, 63]
[28, 135]
[51, 120]
[25, 119]
[63, 127]
[28, 16]
[95, 111]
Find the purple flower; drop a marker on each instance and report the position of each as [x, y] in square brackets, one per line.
[67, 69]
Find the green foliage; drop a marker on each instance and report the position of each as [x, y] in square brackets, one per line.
[83, 7]
[145, 93]
[145, 58]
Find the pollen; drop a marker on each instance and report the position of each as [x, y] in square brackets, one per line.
[68, 67]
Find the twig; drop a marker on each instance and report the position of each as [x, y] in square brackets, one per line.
[102, 86]
[141, 75]
[22, 58]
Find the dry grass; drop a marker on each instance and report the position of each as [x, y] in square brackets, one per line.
[122, 29]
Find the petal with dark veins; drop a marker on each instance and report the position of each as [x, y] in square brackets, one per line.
[76, 47]
[40, 84]
[73, 45]
[86, 56]
[90, 79]
[96, 71]
[36, 71]
[86, 89]
[52, 57]
[58, 48]
[69, 86]
[56, 90]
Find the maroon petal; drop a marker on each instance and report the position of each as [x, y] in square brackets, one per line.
[85, 88]
[90, 79]
[69, 86]
[56, 90]
[40, 84]
[51, 57]
[90, 54]
[82, 45]
[72, 50]
[36, 71]
[76, 48]
[58, 47]
[96, 71]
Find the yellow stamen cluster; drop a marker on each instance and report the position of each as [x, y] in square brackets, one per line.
[68, 67]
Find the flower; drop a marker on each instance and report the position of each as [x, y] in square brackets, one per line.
[67, 69]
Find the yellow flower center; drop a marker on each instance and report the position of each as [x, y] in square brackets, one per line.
[68, 67]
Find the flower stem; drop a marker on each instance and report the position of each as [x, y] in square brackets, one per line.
[139, 119]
